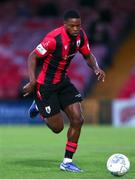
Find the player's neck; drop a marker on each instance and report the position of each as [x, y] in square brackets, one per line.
[71, 37]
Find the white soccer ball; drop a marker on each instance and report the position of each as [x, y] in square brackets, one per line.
[118, 164]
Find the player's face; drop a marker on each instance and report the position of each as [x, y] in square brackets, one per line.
[73, 26]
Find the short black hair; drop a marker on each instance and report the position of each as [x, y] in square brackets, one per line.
[71, 14]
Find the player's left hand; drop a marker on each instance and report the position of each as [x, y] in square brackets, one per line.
[100, 74]
[28, 88]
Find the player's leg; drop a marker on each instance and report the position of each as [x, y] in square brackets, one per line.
[55, 123]
[74, 114]
[76, 119]
[70, 102]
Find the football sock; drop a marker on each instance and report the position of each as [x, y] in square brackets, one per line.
[70, 149]
[67, 160]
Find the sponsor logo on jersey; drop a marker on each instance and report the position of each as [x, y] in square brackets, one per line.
[70, 56]
[48, 109]
[41, 49]
[78, 95]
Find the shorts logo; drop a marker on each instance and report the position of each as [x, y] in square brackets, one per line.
[48, 109]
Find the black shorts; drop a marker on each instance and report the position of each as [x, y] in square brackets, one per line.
[50, 99]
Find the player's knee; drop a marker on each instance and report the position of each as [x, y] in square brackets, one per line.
[55, 123]
[57, 130]
[77, 121]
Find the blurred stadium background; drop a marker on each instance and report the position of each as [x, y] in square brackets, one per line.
[110, 26]
[111, 30]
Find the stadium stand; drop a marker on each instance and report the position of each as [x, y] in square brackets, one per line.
[25, 26]
[128, 89]
[117, 75]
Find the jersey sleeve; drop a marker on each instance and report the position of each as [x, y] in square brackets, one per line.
[46, 47]
[85, 48]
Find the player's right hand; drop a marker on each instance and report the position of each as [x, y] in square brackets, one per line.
[28, 88]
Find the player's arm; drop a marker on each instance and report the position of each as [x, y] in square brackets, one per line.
[32, 61]
[90, 58]
[92, 63]
[40, 52]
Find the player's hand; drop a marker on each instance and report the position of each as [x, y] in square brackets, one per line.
[100, 74]
[28, 88]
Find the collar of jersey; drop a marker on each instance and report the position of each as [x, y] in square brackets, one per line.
[64, 33]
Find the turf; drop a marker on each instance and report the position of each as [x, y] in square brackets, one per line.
[34, 152]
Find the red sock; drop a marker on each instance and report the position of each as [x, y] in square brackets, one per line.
[70, 149]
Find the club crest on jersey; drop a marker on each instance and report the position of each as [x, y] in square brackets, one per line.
[48, 109]
[78, 43]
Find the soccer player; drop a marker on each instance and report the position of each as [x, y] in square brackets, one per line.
[52, 88]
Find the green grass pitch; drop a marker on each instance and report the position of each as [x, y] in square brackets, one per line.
[34, 152]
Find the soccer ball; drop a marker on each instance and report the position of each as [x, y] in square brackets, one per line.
[118, 164]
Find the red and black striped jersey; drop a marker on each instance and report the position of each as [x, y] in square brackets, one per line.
[56, 51]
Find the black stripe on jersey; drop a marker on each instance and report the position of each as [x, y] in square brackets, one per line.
[82, 38]
[40, 63]
[72, 50]
[52, 68]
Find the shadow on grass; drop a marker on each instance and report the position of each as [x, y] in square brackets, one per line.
[36, 162]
